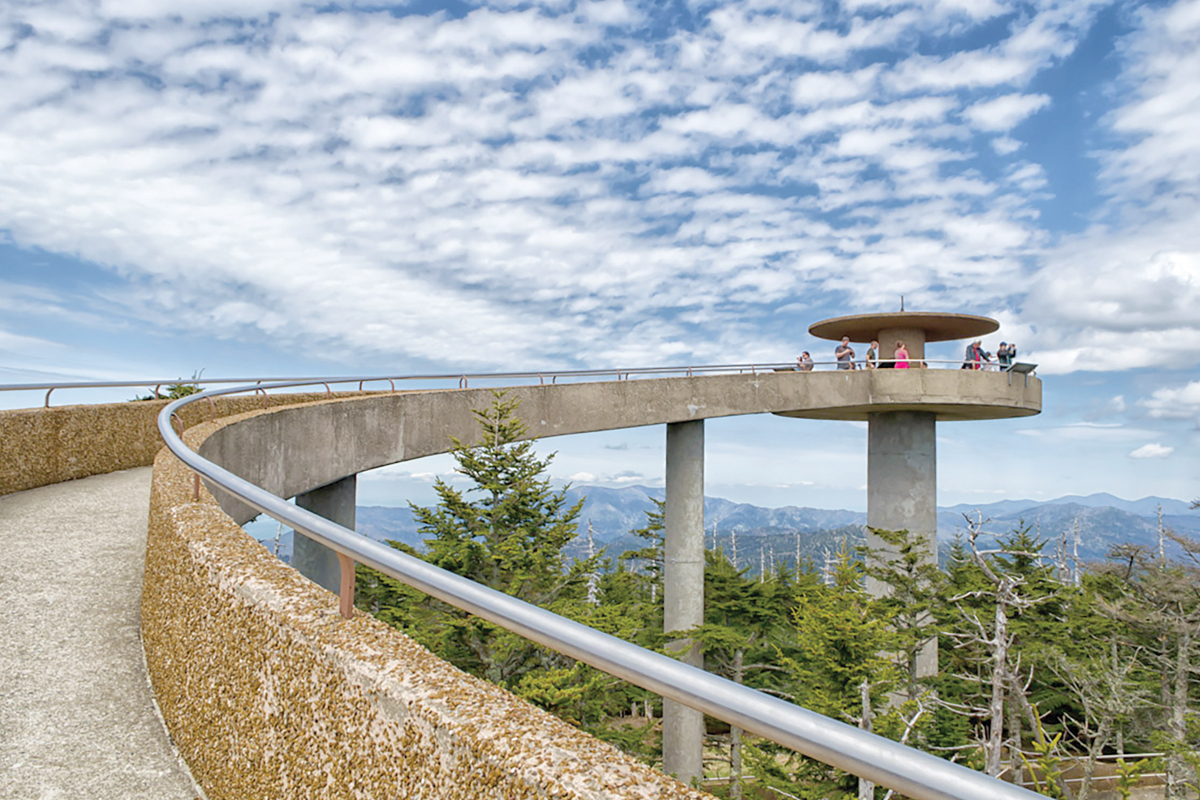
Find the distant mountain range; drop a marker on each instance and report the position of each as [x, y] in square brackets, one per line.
[781, 534]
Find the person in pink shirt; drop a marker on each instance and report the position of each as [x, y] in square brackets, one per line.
[901, 356]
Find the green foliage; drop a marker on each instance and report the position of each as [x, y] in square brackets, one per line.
[840, 645]
[1129, 774]
[1084, 661]
[570, 693]
[647, 561]
[908, 571]
[843, 640]
[506, 531]
[1046, 768]
[1181, 753]
[174, 390]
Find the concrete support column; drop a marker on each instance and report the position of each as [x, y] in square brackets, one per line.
[683, 588]
[902, 490]
[334, 501]
[913, 338]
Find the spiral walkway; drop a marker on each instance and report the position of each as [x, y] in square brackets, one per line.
[77, 716]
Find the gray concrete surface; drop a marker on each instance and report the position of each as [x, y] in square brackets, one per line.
[315, 561]
[77, 718]
[295, 450]
[902, 474]
[683, 588]
[902, 492]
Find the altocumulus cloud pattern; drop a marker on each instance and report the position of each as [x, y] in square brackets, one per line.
[599, 183]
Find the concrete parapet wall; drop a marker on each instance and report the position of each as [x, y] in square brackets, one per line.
[41, 446]
[269, 693]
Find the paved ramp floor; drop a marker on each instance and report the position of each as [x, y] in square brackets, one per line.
[76, 712]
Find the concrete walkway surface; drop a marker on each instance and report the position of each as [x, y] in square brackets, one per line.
[76, 713]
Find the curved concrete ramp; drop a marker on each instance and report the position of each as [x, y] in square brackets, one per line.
[296, 449]
[77, 717]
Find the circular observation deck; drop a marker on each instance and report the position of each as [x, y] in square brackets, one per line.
[953, 395]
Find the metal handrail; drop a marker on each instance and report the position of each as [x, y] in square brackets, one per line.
[463, 380]
[909, 771]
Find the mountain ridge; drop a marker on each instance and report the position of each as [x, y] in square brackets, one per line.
[1102, 521]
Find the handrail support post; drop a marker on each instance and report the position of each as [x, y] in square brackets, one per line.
[346, 590]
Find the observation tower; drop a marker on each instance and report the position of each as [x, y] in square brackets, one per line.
[902, 408]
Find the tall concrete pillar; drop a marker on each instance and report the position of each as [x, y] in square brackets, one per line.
[683, 588]
[902, 490]
[334, 501]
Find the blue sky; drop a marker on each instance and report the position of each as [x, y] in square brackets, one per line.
[266, 187]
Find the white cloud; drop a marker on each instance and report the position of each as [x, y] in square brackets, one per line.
[1116, 301]
[15, 343]
[1123, 293]
[553, 184]
[971, 70]
[1004, 112]
[1174, 403]
[1086, 432]
[819, 88]
[1162, 112]
[1006, 145]
[1153, 450]
[1029, 177]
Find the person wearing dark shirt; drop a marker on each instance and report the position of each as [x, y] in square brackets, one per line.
[844, 354]
[1005, 354]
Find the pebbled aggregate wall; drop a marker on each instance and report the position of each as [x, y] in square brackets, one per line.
[269, 693]
[41, 446]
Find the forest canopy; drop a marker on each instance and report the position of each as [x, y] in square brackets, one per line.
[1069, 678]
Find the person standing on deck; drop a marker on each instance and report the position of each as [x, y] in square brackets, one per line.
[973, 358]
[844, 354]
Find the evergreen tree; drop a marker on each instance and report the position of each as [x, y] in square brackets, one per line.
[994, 627]
[913, 583]
[745, 629]
[507, 530]
[647, 561]
[840, 668]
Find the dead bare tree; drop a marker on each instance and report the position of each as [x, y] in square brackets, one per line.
[1107, 693]
[1161, 599]
[1005, 675]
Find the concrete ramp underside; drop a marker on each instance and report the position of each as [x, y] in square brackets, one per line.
[77, 717]
[293, 450]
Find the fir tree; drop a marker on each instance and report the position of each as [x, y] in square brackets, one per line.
[839, 668]
[507, 530]
[912, 583]
[745, 628]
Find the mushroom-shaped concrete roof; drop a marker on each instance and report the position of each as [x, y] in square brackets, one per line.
[938, 327]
